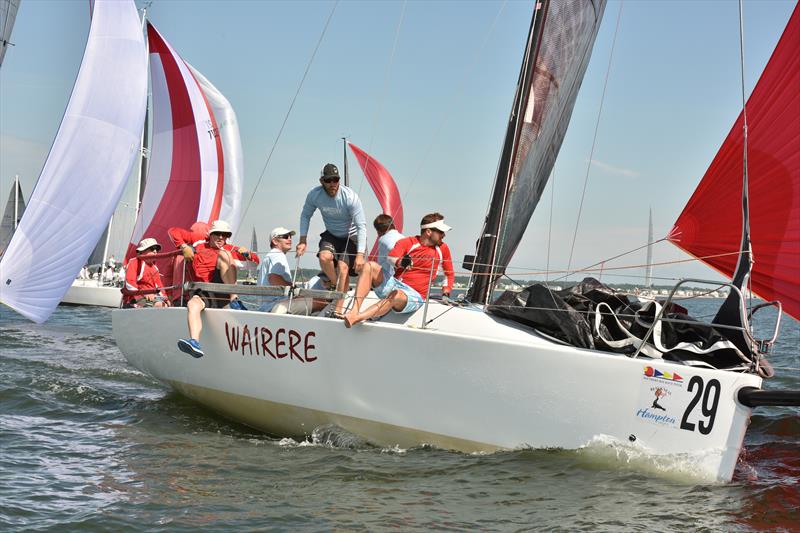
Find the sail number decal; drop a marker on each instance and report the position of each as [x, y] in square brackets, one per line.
[667, 399]
[707, 395]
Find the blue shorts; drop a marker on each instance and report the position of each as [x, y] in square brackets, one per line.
[393, 284]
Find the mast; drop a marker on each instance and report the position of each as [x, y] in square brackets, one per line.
[648, 276]
[346, 172]
[141, 175]
[483, 270]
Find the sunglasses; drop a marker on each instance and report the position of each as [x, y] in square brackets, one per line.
[330, 180]
[222, 235]
[287, 236]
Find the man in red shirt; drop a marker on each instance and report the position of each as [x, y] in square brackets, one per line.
[142, 274]
[211, 261]
[417, 260]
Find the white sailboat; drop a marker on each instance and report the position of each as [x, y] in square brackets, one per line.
[458, 377]
[15, 207]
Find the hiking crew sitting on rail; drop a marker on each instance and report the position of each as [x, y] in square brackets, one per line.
[417, 260]
[211, 261]
[275, 271]
[387, 238]
[344, 242]
[143, 274]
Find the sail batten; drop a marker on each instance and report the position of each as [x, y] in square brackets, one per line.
[710, 225]
[86, 170]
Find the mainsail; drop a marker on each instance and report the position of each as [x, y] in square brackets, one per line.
[710, 226]
[559, 47]
[195, 167]
[8, 14]
[12, 214]
[87, 167]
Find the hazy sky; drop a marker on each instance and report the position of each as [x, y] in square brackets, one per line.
[426, 88]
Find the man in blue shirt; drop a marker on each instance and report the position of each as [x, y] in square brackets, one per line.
[343, 244]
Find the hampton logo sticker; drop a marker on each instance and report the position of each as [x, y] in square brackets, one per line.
[656, 404]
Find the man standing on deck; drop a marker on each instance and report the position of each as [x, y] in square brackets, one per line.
[417, 260]
[343, 243]
[212, 261]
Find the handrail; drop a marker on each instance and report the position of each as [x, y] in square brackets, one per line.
[764, 345]
[745, 321]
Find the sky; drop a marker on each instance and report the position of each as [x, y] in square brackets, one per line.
[426, 88]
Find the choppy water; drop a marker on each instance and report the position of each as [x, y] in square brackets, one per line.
[88, 443]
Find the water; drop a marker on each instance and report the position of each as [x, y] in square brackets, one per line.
[88, 443]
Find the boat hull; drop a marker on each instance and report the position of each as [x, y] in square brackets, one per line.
[468, 382]
[88, 292]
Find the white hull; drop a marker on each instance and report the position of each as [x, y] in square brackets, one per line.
[88, 292]
[469, 382]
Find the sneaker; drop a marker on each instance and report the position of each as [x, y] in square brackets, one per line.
[190, 346]
[237, 304]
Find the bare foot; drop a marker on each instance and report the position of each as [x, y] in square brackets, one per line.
[350, 320]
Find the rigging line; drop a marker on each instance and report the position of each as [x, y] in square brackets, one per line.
[594, 139]
[291, 106]
[378, 109]
[454, 99]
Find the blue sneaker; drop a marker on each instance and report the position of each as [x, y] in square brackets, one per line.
[237, 304]
[192, 347]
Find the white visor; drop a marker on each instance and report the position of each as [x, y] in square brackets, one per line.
[439, 224]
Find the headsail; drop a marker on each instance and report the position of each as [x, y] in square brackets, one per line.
[12, 214]
[710, 226]
[87, 167]
[195, 169]
[8, 14]
[384, 187]
[559, 47]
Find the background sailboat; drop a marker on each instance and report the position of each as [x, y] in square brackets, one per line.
[8, 14]
[195, 166]
[15, 207]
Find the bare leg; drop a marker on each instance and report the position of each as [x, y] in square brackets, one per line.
[327, 265]
[194, 307]
[227, 269]
[342, 284]
[371, 276]
[396, 300]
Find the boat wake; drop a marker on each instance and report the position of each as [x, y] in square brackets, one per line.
[606, 451]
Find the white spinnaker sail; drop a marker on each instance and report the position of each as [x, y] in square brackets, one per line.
[228, 131]
[86, 169]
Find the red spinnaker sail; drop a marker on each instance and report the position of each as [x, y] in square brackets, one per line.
[711, 223]
[384, 187]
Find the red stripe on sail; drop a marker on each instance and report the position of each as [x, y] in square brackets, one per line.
[711, 222]
[216, 206]
[181, 198]
[384, 187]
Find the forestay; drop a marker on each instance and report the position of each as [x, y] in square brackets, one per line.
[87, 167]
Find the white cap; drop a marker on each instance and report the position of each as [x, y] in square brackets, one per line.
[280, 230]
[220, 226]
[148, 243]
[439, 224]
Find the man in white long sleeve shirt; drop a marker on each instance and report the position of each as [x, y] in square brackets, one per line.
[343, 244]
